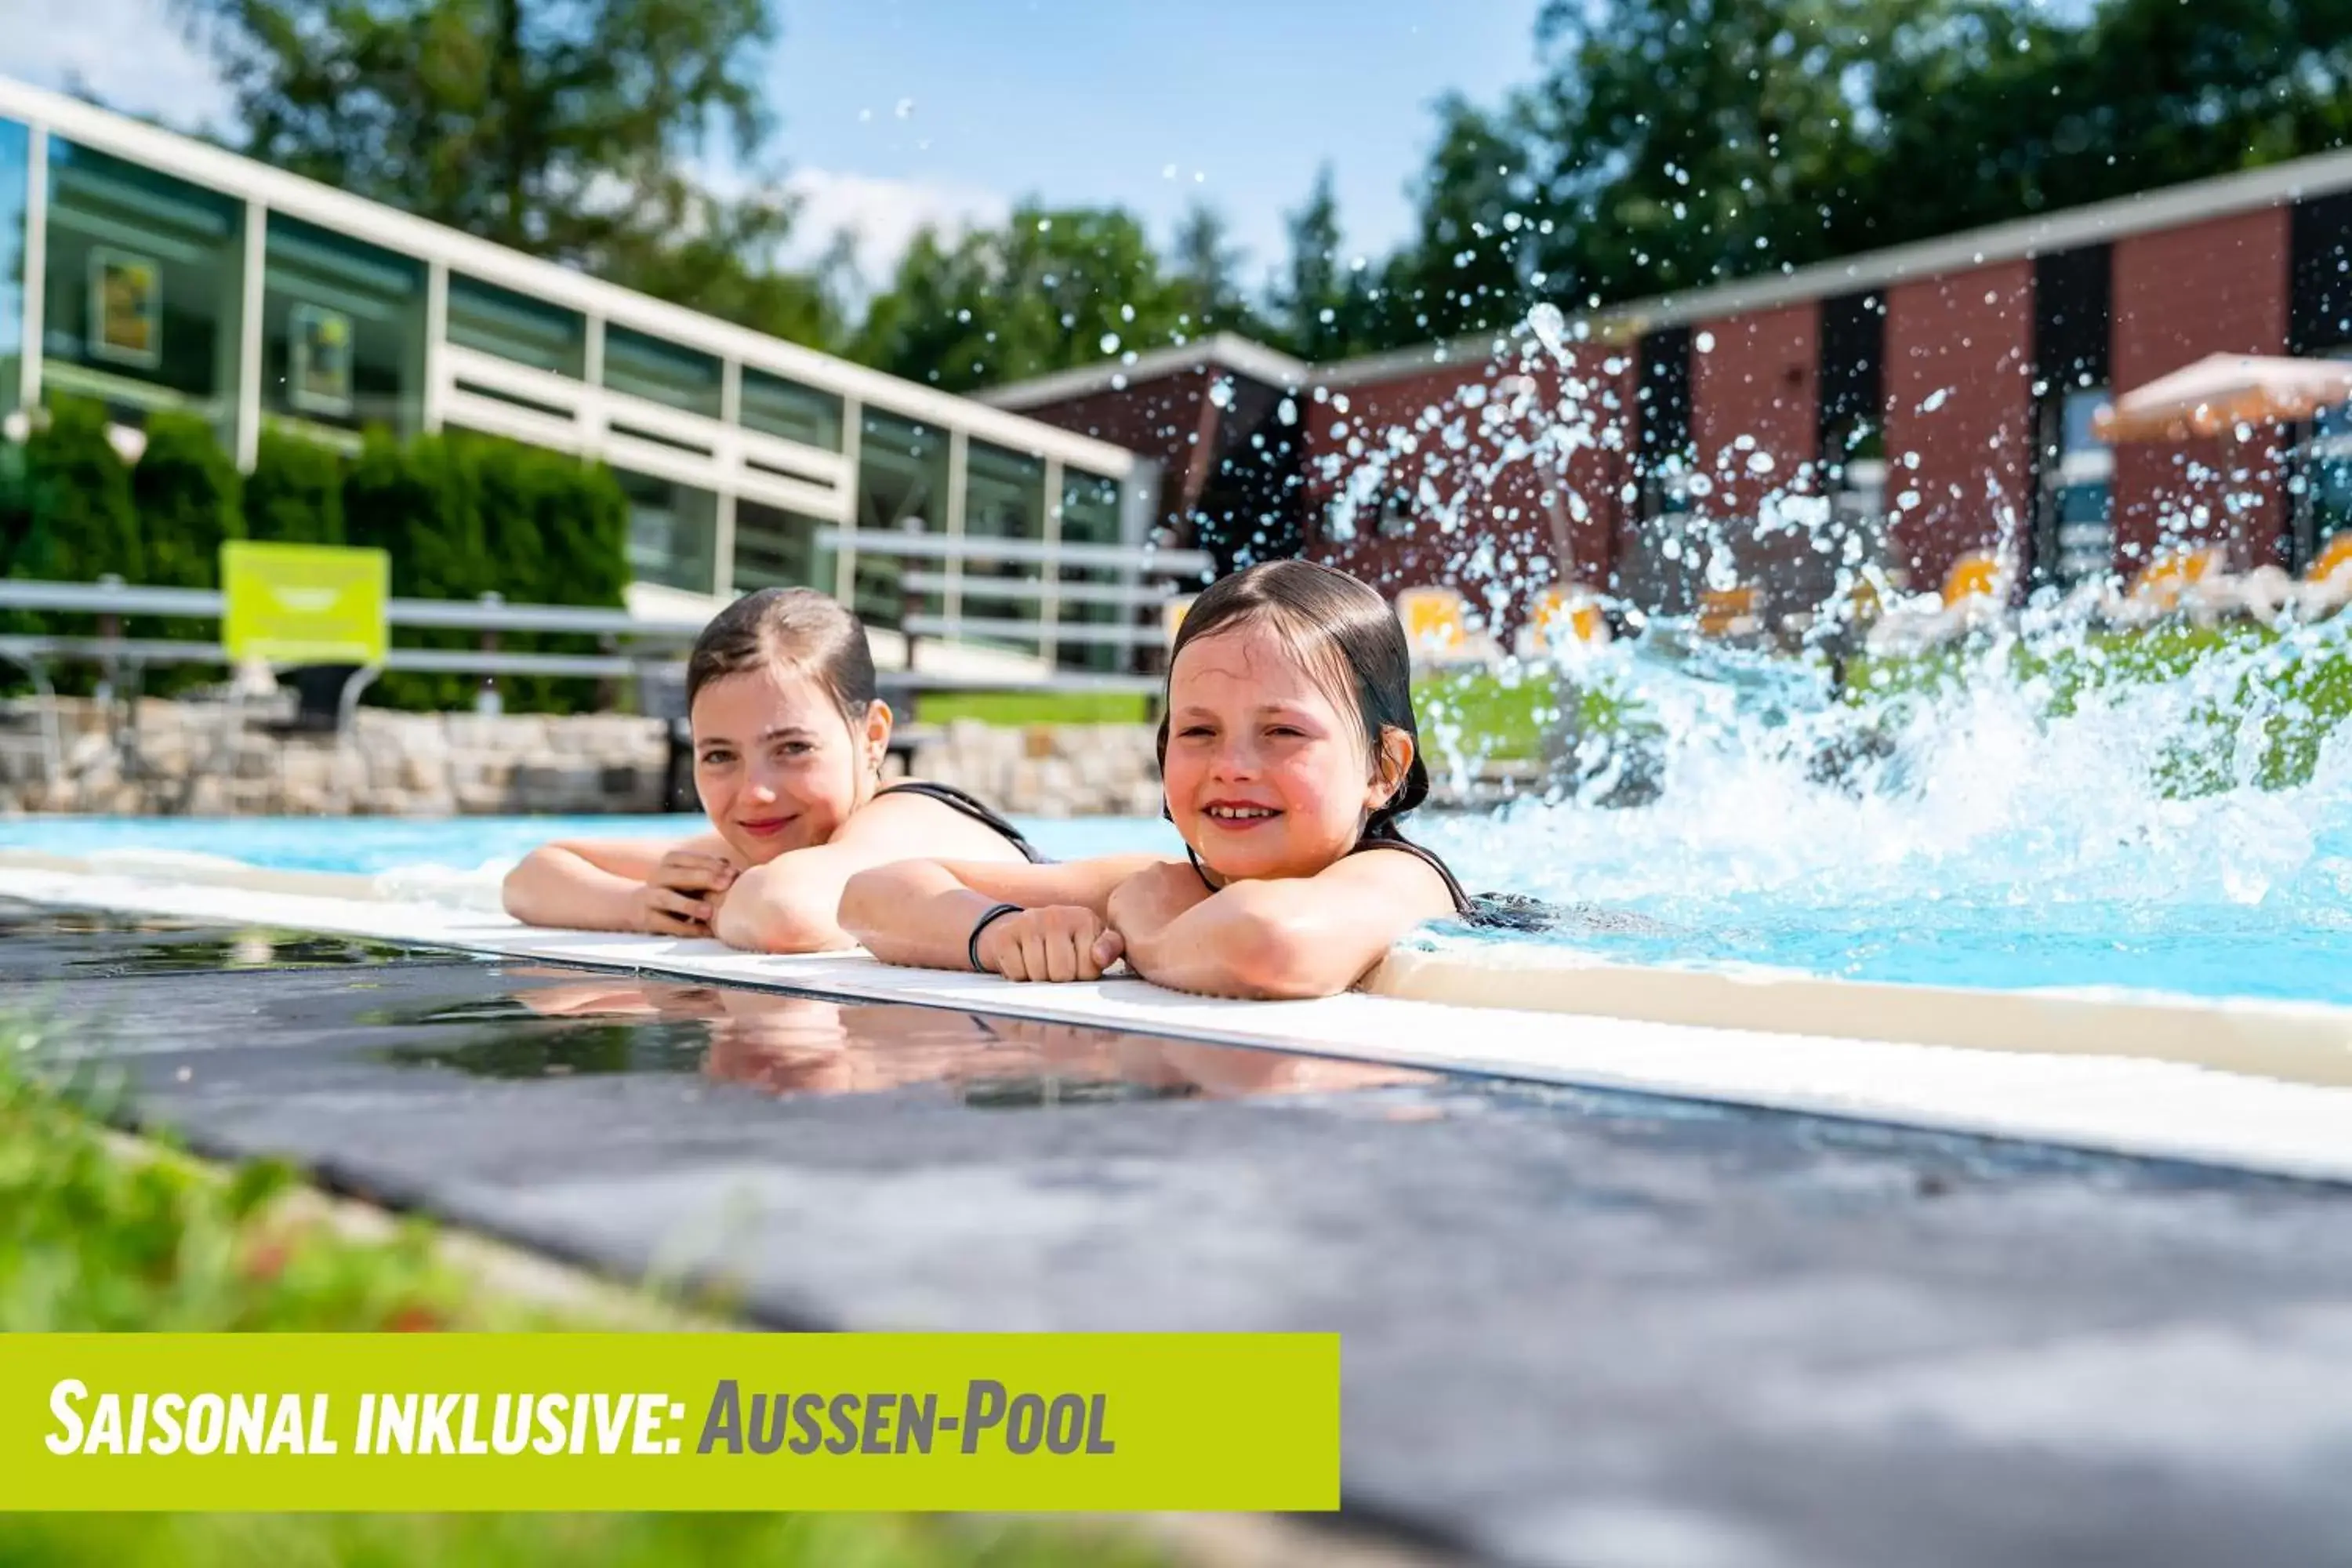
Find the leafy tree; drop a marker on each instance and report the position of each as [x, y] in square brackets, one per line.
[548, 125]
[1311, 300]
[1468, 265]
[563, 127]
[1054, 289]
[1693, 141]
[2137, 94]
[1681, 143]
[1204, 275]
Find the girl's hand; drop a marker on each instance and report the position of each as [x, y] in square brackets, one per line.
[682, 893]
[1058, 943]
[1143, 906]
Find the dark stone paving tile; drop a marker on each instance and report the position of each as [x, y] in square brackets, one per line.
[1578, 1328]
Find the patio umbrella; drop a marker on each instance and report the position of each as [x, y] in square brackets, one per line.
[2220, 392]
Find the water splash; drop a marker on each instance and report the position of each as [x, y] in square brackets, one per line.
[2046, 800]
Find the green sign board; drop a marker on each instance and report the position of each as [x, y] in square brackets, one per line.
[304, 603]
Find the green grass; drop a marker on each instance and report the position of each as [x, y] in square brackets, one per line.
[93, 1238]
[2292, 696]
[523, 1541]
[2267, 721]
[1035, 707]
[1475, 714]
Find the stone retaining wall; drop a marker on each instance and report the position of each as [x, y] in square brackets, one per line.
[159, 758]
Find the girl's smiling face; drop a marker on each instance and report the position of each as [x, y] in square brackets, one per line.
[1266, 775]
[777, 764]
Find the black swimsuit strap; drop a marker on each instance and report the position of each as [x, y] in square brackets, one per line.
[1392, 840]
[1387, 840]
[956, 800]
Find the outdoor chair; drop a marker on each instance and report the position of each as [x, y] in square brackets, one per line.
[1729, 612]
[1564, 616]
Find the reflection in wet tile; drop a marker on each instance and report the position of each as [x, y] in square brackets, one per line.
[38, 944]
[559, 1023]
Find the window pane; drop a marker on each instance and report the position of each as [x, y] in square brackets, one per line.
[661, 372]
[516, 327]
[779, 407]
[673, 532]
[1090, 516]
[142, 286]
[902, 488]
[778, 548]
[1004, 498]
[2077, 434]
[16, 153]
[342, 334]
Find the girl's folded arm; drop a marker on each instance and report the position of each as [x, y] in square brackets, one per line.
[790, 904]
[793, 904]
[589, 884]
[921, 912]
[1294, 937]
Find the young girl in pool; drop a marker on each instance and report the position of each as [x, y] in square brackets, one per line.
[1288, 752]
[788, 744]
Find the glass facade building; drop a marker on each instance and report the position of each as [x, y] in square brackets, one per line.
[149, 271]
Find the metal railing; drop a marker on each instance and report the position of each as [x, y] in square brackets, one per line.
[1049, 630]
[1142, 559]
[651, 656]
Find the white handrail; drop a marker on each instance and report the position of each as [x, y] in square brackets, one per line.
[973, 547]
[485, 614]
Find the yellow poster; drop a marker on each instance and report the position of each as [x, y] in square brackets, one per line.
[126, 308]
[304, 603]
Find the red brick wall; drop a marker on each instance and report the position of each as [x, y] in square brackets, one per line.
[1161, 418]
[2181, 294]
[1753, 394]
[1597, 460]
[1512, 509]
[1963, 342]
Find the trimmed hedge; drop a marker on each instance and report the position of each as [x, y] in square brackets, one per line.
[188, 496]
[83, 523]
[459, 514]
[296, 493]
[74, 521]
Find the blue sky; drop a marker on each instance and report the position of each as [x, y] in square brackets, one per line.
[900, 111]
[1149, 105]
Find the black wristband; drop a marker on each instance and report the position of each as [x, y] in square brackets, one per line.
[995, 914]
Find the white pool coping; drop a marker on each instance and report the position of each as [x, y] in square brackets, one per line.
[2164, 1079]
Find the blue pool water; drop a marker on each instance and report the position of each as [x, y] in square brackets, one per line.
[374, 844]
[2190, 833]
[1996, 924]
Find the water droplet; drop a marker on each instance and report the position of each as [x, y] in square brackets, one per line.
[1550, 328]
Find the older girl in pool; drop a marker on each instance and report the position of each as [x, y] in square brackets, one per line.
[1288, 752]
[788, 737]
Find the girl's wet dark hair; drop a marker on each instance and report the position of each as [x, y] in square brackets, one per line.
[798, 627]
[1347, 634]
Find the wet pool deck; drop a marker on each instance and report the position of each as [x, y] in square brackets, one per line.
[1578, 1328]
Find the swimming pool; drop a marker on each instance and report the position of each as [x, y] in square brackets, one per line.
[370, 845]
[1755, 891]
[2040, 808]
